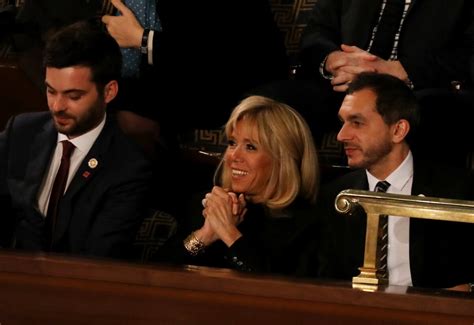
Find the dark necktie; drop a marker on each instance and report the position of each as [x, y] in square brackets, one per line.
[382, 240]
[387, 28]
[57, 191]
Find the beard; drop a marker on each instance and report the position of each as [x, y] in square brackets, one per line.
[375, 154]
[372, 155]
[76, 125]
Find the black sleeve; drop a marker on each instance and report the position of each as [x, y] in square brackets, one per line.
[322, 34]
[243, 257]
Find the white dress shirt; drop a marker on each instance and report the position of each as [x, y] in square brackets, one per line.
[83, 144]
[398, 261]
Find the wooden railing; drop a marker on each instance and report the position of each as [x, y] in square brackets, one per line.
[42, 289]
[377, 203]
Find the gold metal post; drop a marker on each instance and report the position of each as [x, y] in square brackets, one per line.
[377, 203]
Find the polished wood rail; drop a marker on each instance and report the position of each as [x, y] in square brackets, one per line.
[48, 289]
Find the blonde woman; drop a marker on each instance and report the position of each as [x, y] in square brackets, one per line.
[255, 218]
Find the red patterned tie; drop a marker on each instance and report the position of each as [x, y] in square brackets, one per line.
[57, 191]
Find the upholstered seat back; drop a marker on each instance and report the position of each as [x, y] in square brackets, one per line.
[154, 231]
[292, 17]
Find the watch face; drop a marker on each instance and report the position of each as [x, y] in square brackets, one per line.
[144, 46]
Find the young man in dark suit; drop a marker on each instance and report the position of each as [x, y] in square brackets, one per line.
[377, 115]
[105, 185]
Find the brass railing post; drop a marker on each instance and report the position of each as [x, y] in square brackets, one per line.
[378, 203]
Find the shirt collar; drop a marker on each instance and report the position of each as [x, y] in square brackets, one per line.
[84, 142]
[398, 178]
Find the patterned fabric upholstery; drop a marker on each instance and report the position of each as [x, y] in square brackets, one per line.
[291, 17]
[211, 141]
[331, 151]
[155, 230]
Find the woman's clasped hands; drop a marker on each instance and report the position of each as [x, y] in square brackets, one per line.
[223, 212]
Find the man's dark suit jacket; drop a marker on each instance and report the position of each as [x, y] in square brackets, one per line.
[435, 44]
[440, 251]
[102, 207]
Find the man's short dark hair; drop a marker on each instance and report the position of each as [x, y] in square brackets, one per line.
[395, 100]
[85, 44]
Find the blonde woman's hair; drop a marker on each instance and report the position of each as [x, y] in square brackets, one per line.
[284, 134]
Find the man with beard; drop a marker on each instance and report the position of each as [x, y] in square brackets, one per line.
[377, 115]
[91, 200]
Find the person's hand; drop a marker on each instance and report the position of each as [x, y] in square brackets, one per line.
[461, 287]
[125, 29]
[344, 65]
[238, 206]
[343, 76]
[374, 63]
[206, 234]
[349, 56]
[223, 212]
[393, 68]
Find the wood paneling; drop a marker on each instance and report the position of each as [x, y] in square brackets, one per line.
[41, 289]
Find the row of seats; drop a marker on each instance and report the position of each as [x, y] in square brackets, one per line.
[444, 132]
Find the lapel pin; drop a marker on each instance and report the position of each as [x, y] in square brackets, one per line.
[86, 174]
[93, 163]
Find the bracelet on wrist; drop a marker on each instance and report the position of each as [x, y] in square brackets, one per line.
[144, 45]
[322, 70]
[193, 245]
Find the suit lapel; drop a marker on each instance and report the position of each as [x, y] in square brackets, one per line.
[359, 30]
[360, 180]
[421, 177]
[411, 6]
[91, 165]
[39, 158]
